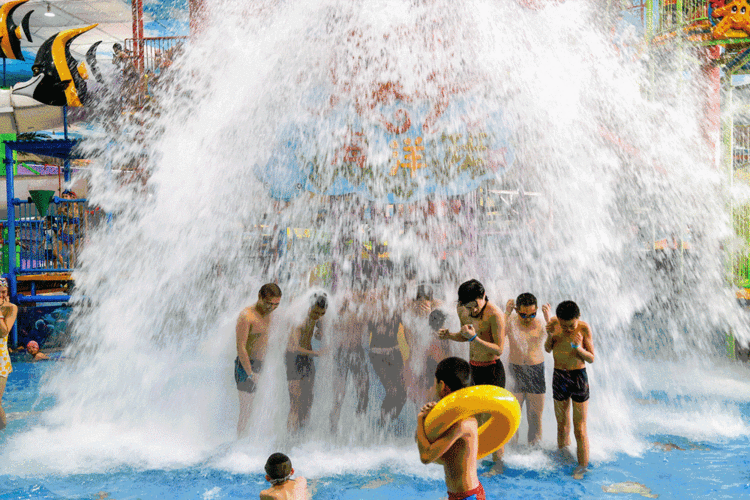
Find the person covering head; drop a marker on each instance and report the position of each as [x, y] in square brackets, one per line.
[567, 310]
[319, 299]
[32, 344]
[469, 291]
[278, 468]
[454, 373]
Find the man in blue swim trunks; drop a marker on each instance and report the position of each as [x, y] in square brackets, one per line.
[252, 344]
[455, 449]
[526, 336]
[300, 365]
[571, 345]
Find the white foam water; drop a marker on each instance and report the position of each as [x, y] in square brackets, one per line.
[612, 142]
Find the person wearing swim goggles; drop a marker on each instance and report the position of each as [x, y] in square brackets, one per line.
[526, 337]
[279, 473]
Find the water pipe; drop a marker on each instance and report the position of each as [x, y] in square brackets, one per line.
[11, 242]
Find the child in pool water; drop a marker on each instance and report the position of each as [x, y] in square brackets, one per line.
[279, 472]
[456, 448]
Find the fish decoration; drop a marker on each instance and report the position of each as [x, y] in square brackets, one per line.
[59, 80]
[10, 33]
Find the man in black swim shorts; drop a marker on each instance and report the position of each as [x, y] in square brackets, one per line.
[300, 366]
[526, 336]
[483, 327]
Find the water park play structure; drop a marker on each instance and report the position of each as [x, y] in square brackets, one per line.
[315, 143]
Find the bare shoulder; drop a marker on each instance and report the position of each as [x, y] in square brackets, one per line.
[300, 484]
[267, 495]
[585, 328]
[493, 310]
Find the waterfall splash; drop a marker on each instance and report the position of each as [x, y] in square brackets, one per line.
[592, 152]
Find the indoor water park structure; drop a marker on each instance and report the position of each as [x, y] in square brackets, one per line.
[380, 153]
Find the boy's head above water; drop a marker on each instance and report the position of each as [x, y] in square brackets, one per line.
[451, 375]
[278, 468]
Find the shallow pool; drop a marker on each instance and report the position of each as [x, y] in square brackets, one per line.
[675, 467]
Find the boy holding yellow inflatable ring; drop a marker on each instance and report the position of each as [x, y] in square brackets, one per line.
[456, 448]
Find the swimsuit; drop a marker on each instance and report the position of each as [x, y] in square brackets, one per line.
[573, 384]
[245, 383]
[299, 366]
[529, 379]
[475, 494]
[5, 366]
[488, 373]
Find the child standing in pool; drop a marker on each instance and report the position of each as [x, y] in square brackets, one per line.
[572, 346]
[456, 448]
[279, 472]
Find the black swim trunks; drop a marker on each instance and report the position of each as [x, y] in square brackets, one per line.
[529, 379]
[245, 383]
[488, 373]
[573, 384]
[299, 366]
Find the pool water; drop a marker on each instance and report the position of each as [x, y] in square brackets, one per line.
[670, 466]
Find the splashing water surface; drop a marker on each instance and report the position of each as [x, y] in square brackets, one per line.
[604, 153]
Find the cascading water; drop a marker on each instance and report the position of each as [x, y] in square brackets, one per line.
[602, 147]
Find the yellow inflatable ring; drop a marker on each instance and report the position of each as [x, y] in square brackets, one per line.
[502, 407]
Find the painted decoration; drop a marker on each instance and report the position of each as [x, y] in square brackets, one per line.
[59, 79]
[10, 33]
[395, 149]
[735, 20]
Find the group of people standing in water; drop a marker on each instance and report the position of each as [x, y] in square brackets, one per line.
[368, 326]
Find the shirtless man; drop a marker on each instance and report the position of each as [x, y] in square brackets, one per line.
[526, 336]
[300, 366]
[483, 326]
[572, 347]
[455, 449]
[279, 472]
[252, 343]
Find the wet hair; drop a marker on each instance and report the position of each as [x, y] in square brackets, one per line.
[117, 46]
[454, 372]
[424, 292]
[278, 467]
[270, 290]
[567, 310]
[319, 299]
[469, 291]
[525, 299]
